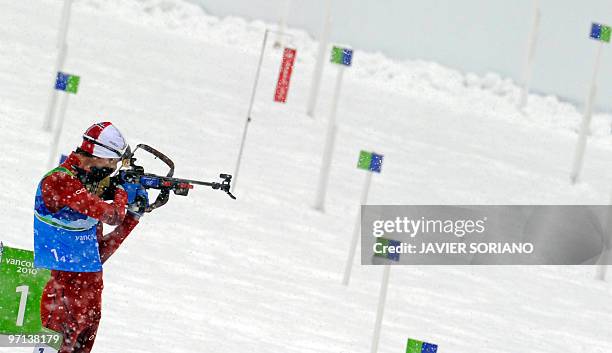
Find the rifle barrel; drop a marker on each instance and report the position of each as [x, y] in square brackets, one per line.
[197, 182]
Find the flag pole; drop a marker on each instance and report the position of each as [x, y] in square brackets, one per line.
[59, 61]
[531, 48]
[328, 150]
[250, 111]
[382, 297]
[64, 24]
[604, 259]
[586, 120]
[356, 231]
[318, 71]
[283, 22]
[58, 132]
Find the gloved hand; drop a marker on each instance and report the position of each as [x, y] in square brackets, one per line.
[133, 190]
[138, 198]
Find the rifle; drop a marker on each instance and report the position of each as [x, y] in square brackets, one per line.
[130, 172]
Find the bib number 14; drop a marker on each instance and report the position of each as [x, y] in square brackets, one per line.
[62, 259]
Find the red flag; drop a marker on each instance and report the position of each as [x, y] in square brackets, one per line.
[284, 77]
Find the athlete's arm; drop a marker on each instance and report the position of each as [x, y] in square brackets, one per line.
[110, 242]
[60, 190]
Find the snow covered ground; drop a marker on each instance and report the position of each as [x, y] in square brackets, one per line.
[262, 274]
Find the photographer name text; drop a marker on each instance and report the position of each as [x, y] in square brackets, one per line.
[454, 248]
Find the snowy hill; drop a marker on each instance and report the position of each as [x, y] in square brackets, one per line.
[262, 274]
